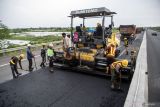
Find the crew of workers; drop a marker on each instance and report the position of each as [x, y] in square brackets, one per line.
[30, 56]
[113, 66]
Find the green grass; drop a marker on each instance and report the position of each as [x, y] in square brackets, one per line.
[115, 30]
[156, 29]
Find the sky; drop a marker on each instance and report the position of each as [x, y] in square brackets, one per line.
[53, 13]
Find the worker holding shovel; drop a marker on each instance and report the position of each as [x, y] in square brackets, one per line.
[29, 57]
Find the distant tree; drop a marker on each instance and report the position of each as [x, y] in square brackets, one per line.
[4, 31]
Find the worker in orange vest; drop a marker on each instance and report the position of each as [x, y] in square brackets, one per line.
[110, 54]
[116, 73]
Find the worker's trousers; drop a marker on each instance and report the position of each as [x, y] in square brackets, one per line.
[115, 76]
[30, 64]
[14, 70]
[51, 58]
[43, 61]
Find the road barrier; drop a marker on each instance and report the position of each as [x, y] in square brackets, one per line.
[4, 51]
[138, 91]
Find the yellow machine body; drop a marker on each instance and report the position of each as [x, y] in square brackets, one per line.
[84, 56]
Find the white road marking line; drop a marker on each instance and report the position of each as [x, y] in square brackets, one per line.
[122, 52]
[119, 47]
[22, 60]
[4, 65]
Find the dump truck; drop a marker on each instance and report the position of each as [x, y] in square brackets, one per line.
[89, 54]
[127, 30]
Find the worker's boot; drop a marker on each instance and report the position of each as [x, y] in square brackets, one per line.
[19, 74]
[51, 70]
[118, 86]
[107, 70]
[126, 52]
[112, 86]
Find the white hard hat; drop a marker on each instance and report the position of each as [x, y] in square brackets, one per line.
[50, 45]
[28, 45]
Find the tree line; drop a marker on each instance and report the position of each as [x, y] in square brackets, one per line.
[4, 31]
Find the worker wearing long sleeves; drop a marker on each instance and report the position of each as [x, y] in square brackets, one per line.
[13, 65]
[43, 55]
[20, 60]
[64, 41]
[29, 57]
[68, 46]
[50, 54]
[126, 45]
[115, 72]
[110, 54]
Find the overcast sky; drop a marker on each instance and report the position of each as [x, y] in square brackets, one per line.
[53, 13]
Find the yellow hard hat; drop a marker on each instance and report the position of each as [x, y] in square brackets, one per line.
[125, 63]
[28, 45]
[43, 44]
[125, 38]
[22, 56]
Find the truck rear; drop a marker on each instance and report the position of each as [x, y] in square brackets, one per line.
[127, 31]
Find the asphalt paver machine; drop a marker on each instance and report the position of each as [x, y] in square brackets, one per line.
[89, 53]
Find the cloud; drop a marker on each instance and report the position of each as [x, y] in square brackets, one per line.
[46, 13]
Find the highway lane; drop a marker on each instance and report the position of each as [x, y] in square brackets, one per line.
[153, 57]
[62, 88]
[5, 59]
[5, 70]
[135, 45]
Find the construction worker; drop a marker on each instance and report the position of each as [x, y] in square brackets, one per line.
[13, 65]
[133, 59]
[131, 38]
[64, 41]
[20, 60]
[68, 46]
[126, 45]
[29, 57]
[50, 54]
[110, 54]
[43, 55]
[99, 30]
[115, 72]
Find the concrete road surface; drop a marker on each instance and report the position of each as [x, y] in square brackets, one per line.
[153, 57]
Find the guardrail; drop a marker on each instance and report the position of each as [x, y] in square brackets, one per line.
[138, 91]
[3, 51]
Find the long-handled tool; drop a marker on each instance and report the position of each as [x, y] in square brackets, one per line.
[35, 63]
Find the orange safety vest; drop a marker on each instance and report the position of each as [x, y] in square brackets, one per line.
[111, 52]
[114, 64]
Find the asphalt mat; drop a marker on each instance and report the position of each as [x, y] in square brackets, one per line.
[153, 52]
[61, 89]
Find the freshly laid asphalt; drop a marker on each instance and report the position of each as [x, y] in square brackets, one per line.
[60, 89]
[153, 57]
[63, 88]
